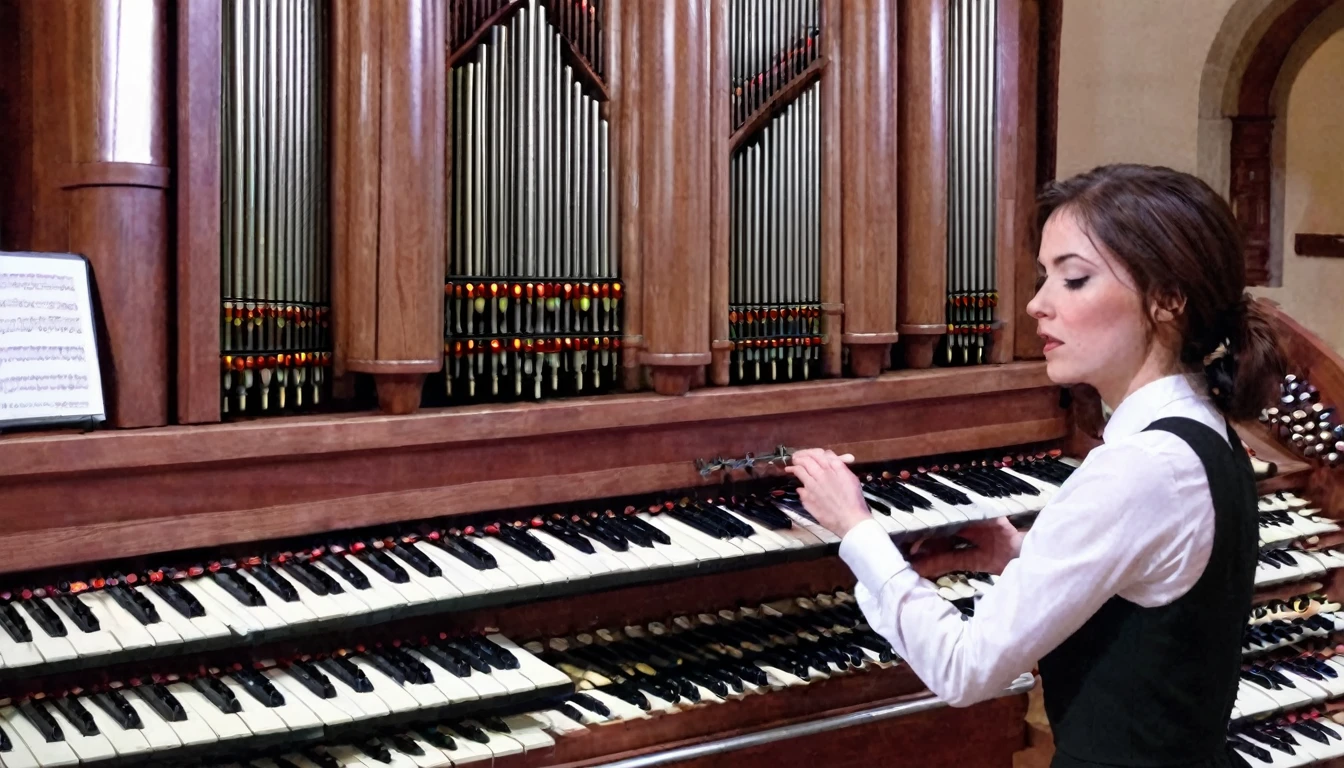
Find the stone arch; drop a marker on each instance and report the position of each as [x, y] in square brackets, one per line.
[1258, 51]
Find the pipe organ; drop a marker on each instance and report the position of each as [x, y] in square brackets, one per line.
[451, 348]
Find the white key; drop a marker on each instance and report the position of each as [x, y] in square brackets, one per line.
[425, 694]
[580, 563]
[85, 643]
[292, 716]
[433, 757]
[535, 669]
[484, 684]
[125, 628]
[620, 709]
[393, 695]
[18, 654]
[556, 722]
[1307, 687]
[464, 577]
[637, 558]
[466, 750]
[545, 572]
[51, 648]
[126, 741]
[290, 613]
[260, 616]
[1047, 490]
[45, 753]
[189, 629]
[326, 711]
[764, 536]
[894, 521]
[377, 597]
[512, 680]
[438, 587]
[18, 755]
[325, 607]
[410, 592]
[685, 534]
[226, 725]
[500, 744]
[205, 590]
[453, 687]
[821, 533]
[1001, 507]
[361, 705]
[528, 731]
[86, 748]
[154, 730]
[189, 732]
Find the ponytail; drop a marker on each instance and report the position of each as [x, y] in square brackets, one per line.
[1244, 373]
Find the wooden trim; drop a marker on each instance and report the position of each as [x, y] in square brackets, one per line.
[1051, 14]
[112, 174]
[832, 252]
[781, 99]
[199, 68]
[720, 158]
[625, 79]
[1329, 246]
[498, 17]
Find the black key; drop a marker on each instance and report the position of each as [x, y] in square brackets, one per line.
[498, 655]
[163, 702]
[77, 611]
[5, 744]
[312, 678]
[569, 711]
[652, 532]
[341, 668]
[415, 670]
[45, 618]
[119, 709]
[218, 693]
[1259, 753]
[570, 536]
[525, 543]
[134, 603]
[179, 598]
[1312, 734]
[37, 714]
[14, 625]
[437, 738]
[469, 732]
[590, 704]
[343, 568]
[387, 666]
[321, 759]
[613, 534]
[417, 560]
[468, 552]
[494, 723]
[77, 714]
[383, 565]
[452, 663]
[467, 655]
[405, 745]
[269, 578]
[239, 589]
[312, 579]
[261, 688]
[375, 750]
[281, 762]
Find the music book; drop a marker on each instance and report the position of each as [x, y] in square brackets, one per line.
[49, 371]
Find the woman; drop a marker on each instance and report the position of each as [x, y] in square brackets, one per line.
[1132, 589]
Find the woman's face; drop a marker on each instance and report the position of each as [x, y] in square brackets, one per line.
[1089, 312]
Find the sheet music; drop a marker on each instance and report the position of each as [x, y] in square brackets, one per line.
[48, 353]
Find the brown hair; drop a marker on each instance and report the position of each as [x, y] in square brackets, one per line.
[1179, 241]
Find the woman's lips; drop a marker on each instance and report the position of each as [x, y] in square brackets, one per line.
[1051, 342]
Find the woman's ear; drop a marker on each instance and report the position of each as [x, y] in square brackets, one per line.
[1166, 309]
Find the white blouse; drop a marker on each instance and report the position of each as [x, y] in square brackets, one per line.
[1135, 520]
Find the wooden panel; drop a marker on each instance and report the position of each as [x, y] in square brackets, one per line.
[198, 210]
[922, 169]
[94, 497]
[98, 98]
[720, 155]
[16, 172]
[1329, 246]
[1252, 170]
[1018, 33]
[832, 253]
[674, 188]
[869, 95]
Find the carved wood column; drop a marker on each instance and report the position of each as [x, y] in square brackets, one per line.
[868, 115]
[922, 172]
[389, 137]
[720, 161]
[1252, 167]
[674, 188]
[832, 254]
[100, 173]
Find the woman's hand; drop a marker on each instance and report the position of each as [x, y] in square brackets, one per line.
[994, 543]
[830, 491]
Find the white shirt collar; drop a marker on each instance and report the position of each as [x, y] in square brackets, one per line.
[1143, 404]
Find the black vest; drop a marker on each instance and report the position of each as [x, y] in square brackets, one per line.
[1154, 687]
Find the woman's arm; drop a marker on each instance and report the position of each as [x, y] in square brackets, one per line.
[1099, 535]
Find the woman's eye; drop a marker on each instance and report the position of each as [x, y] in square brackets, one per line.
[1075, 283]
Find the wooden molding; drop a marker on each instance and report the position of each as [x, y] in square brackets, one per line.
[1329, 246]
[781, 99]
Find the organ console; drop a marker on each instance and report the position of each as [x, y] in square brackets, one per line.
[427, 323]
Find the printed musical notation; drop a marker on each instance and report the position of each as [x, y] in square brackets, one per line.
[48, 355]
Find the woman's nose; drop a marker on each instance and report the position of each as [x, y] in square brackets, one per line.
[1038, 306]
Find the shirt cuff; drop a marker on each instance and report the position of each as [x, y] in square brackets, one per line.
[869, 552]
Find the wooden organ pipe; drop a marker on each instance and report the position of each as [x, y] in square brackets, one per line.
[533, 297]
[922, 168]
[972, 260]
[274, 245]
[625, 91]
[388, 193]
[868, 118]
[774, 301]
[674, 198]
[95, 177]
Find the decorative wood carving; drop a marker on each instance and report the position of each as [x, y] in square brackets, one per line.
[868, 117]
[389, 134]
[922, 169]
[675, 144]
[1330, 246]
